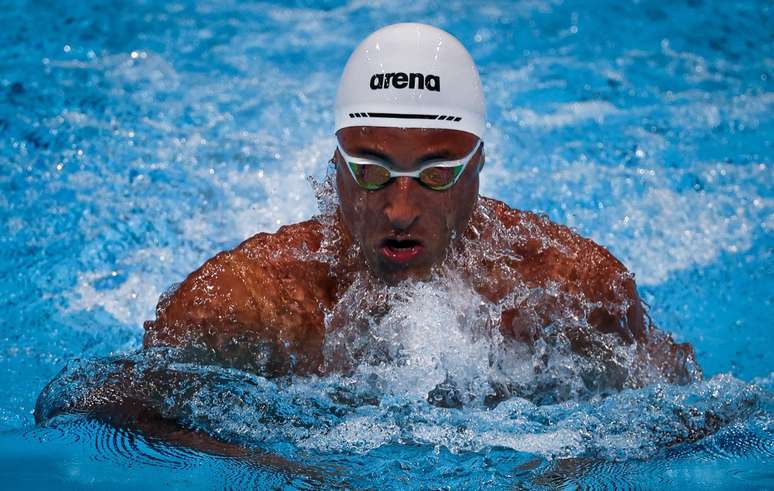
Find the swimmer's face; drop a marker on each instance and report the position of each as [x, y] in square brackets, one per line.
[404, 229]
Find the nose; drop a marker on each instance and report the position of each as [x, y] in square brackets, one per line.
[402, 209]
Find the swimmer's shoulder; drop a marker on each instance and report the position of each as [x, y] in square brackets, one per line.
[290, 243]
[579, 262]
[552, 252]
[539, 236]
[291, 261]
[270, 288]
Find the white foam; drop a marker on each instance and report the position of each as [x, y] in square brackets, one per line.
[638, 214]
[563, 114]
[358, 434]
[130, 303]
[432, 332]
[289, 197]
[657, 230]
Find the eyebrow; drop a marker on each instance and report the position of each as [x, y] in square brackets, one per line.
[433, 154]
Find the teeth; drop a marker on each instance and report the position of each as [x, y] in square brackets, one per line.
[401, 244]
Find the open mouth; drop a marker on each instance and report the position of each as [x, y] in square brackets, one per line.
[401, 251]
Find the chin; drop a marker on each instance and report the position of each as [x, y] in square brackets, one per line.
[392, 276]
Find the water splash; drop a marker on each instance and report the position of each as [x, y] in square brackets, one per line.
[382, 406]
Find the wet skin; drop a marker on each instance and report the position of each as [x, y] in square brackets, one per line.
[262, 306]
[406, 212]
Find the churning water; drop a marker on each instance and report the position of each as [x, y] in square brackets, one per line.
[138, 139]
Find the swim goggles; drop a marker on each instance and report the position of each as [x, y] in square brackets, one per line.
[437, 175]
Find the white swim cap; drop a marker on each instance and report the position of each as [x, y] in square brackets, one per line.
[411, 76]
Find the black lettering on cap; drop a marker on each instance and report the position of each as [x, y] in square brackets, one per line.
[377, 80]
[433, 82]
[401, 80]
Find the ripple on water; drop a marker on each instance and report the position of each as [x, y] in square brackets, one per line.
[737, 441]
[56, 434]
[127, 447]
[86, 445]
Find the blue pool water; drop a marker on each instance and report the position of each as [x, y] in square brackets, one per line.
[137, 139]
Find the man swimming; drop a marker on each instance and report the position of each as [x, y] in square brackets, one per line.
[410, 123]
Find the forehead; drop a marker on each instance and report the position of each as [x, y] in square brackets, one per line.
[409, 141]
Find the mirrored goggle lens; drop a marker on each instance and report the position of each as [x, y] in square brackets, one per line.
[370, 176]
[440, 177]
[373, 176]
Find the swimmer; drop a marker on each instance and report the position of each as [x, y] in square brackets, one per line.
[410, 132]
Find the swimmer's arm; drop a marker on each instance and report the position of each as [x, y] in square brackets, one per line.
[126, 400]
[554, 254]
[675, 361]
[588, 270]
[608, 281]
[208, 315]
[156, 429]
